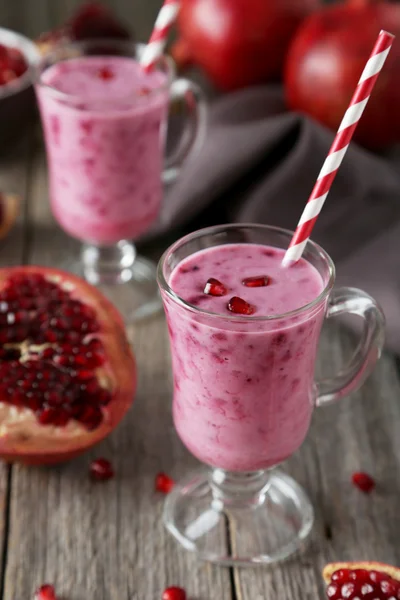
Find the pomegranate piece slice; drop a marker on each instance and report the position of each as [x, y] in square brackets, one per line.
[45, 592]
[240, 307]
[163, 483]
[101, 469]
[369, 580]
[67, 374]
[214, 287]
[363, 481]
[259, 281]
[174, 593]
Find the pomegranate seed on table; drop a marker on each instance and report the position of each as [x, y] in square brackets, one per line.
[240, 307]
[101, 469]
[45, 592]
[174, 593]
[363, 481]
[214, 287]
[259, 281]
[163, 483]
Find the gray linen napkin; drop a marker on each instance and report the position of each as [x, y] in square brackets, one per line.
[259, 164]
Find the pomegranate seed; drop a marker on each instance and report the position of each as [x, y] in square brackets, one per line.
[362, 584]
[363, 481]
[214, 287]
[91, 417]
[163, 483]
[239, 306]
[104, 397]
[260, 281]
[144, 91]
[106, 73]
[45, 592]
[174, 593]
[101, 469]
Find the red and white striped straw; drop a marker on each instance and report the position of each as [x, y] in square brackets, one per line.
[339, 147]
[158, 39]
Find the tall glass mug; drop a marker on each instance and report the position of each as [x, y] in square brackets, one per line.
[244, 393]
[105, 124]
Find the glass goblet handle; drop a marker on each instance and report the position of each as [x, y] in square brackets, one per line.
[193, 132]
[346, 300]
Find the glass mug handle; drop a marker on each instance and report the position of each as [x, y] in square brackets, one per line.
[346, 300]
[193, 133]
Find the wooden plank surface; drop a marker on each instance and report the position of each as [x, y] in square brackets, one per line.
[356, 434]
[98, 541]
[104, 542]
[14, 169]
[107, 542]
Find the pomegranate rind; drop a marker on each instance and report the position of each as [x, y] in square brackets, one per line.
[10, 204]
[37, 444]
[330, 568]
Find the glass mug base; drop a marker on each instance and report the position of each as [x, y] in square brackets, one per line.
[239, 519]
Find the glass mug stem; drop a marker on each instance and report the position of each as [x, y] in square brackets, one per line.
[111, 264]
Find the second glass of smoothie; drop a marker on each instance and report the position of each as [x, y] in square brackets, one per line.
[244, 332]
[105, 124]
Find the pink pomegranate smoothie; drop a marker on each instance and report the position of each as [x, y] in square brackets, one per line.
[105, 145]
[243, 389]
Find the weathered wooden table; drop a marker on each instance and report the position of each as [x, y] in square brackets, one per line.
[107, 541]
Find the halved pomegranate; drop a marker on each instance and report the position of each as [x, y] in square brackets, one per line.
[9, 206]
[67, 373]
[365, 579]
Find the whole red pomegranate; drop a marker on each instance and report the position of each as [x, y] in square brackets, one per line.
[240, 42]
[67, 374]
[326, 59]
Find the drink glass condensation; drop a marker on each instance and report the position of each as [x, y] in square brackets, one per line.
[244, 393]
[105, 127]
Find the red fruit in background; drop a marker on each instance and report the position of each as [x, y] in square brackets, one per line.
[240, 42]
[12, 64]
[93, 20]
[181, 54]
[326, 59]
[67, 374]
